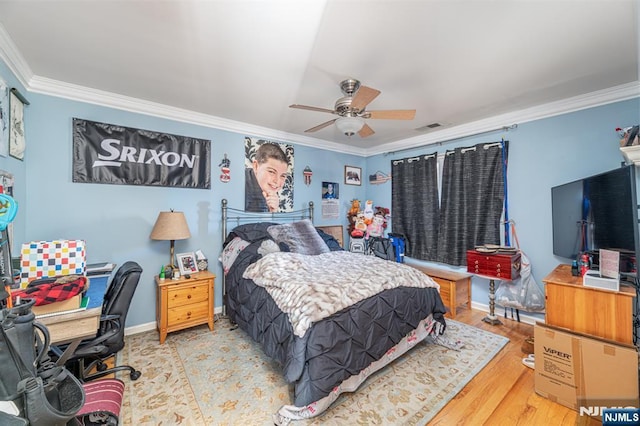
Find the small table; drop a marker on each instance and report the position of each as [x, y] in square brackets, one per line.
[496, 265]
[184, 302]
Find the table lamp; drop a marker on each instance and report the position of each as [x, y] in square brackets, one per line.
[170, 226]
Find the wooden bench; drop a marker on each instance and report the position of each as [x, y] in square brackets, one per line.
[455, 287]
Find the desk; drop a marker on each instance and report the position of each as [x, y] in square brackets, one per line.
[73, 327]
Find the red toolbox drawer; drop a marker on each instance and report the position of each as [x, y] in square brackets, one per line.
[504, 266]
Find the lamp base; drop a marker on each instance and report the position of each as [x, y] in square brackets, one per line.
[171, 253]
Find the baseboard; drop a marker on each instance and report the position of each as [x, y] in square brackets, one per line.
[499, 311]
[141, 328]
[525, 317]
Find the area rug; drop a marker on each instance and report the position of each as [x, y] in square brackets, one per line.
[199, 377]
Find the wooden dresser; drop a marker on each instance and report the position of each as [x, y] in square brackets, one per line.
[597, 312]
[184, 303]
[455, 287]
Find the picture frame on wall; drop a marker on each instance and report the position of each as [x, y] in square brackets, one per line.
[4, 118]
[187, 263]
[17, 141]
[352, 175]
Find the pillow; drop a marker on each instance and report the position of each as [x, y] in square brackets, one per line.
[268, 246]
[231, 252]
[251, 232]
[301, 237]
[329, 240]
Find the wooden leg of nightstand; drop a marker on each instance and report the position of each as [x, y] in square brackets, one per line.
[163, 336]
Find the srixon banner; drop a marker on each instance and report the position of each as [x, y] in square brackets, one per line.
[106, 153]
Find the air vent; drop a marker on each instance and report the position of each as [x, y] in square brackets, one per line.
[428, 127]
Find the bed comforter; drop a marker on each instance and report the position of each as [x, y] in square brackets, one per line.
[334, 348]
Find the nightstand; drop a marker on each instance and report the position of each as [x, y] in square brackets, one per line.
[184, 303]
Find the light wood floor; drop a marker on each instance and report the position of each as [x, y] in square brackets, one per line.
[503, 392]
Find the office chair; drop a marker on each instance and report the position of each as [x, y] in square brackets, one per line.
[110, 337]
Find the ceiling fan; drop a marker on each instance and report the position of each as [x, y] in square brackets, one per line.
[352, 110]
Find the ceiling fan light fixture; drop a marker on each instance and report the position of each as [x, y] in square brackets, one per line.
[350, 125]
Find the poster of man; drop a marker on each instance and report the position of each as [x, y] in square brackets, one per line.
[268, 176]
[330, 191]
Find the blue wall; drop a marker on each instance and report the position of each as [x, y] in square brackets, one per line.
[116, 220]
[542, 154]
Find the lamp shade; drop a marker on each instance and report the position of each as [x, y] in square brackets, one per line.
[350, 125]
[170, 226]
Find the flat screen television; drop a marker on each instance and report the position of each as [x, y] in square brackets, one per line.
[597, 212]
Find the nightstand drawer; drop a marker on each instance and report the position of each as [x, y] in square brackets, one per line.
[185, 295]
[185, 313]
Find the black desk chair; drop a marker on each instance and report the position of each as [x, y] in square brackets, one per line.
[110, 337]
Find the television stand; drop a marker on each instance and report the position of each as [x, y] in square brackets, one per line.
[589, 310]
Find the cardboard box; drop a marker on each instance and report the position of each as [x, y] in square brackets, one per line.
[65, 305]
[581, 371]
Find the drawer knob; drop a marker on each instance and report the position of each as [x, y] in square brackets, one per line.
[189, 297]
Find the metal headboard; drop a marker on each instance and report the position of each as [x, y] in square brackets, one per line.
[236, 217]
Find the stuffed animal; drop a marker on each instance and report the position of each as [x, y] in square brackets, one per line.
[355, 207]
[368, 212]
[376, 228]
[360, 227]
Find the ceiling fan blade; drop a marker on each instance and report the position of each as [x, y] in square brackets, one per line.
[321, 126]
[311, 108]
[363, 97]
[365, 131]
[395, 114]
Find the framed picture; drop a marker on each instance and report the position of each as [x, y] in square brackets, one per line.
[330, 191]
[187, 263]
[17, 143]
[352, 175]
[4, 118]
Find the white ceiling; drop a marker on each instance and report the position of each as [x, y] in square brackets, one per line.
[239, 64]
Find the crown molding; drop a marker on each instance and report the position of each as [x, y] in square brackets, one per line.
[11, 56]
[504, 122]
[98, 97]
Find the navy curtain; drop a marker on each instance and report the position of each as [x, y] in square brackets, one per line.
[470, 208]
[472, 200]
[414, 204]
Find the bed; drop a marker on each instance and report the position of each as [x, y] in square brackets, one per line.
[328, 317]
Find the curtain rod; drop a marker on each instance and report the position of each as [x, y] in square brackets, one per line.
[440, 143]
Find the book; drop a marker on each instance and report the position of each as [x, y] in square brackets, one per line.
[83, 306]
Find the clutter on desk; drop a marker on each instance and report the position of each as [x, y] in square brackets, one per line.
[101, 268]
[52, 295]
